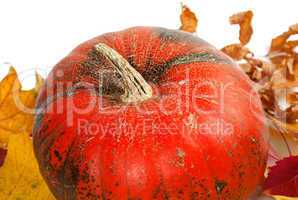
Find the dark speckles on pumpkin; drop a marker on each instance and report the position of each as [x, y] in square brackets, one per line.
[200, 185]
[194, 196]
[160, 192]
[230, 153]
[181, 155]
[156, 192]
[85, 176]
[57, 154]
[254, 140]
[220, 185]
[157, 60]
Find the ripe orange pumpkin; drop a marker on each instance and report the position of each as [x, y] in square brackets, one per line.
[149, 113]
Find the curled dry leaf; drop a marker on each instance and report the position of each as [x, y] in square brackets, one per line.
[189, 20]
[281, 44]
[236, 51]
[255, 68]
[244, 20]
[283, 53]
[252, 67]
[292, 98]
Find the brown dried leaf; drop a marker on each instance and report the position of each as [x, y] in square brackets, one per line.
[260, 70]
[236, 51]
[279, 43]
[267, 96]
[291, 113]
[282, 137]
[244, 20]
[285, 85]
[292, 98]
[294, 28]
[189, 21]
[289, 46]
[281, 80]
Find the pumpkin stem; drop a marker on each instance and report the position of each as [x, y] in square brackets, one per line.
[136, 88]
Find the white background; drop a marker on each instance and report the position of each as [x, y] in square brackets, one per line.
[36, 34]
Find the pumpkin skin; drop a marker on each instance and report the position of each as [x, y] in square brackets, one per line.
[200, 136]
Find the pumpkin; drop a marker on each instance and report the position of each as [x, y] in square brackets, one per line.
[149, 113]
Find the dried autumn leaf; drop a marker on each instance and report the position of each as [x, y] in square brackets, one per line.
[279, 42]
[279, 80]
[19, 176]
[292, 98]
[256, 69]
[282, 138]
[236, 51]
[189, 21]
[15, 107]
[283, 177]
[244, 20]
[289, 46]
[283, 54]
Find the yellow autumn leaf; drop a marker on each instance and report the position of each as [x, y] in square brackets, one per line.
[16, 106]
[19, 176]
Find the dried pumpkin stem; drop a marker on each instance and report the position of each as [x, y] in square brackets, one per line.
[136, 88]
